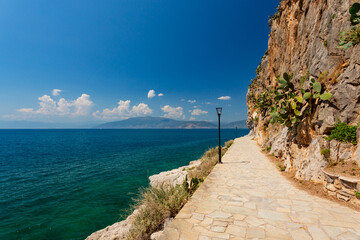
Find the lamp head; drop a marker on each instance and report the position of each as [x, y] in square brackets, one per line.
[219, 110]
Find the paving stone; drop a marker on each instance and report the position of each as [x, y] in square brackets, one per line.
[206, 222]
[198, 216]
[317, 233]
[236, 231]
[300, 234]
[189, 235]
[255, 233]
[201, 237]
[220, 223]
[254, 221]
[273, 215]
[219, 215]
[218, 229]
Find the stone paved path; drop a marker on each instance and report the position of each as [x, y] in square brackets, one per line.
[247, 198]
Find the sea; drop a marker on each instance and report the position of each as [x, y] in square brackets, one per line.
[69, 183]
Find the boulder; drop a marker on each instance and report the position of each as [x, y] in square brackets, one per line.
[172, 177]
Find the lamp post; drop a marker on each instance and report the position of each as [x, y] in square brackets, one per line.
[218, 110]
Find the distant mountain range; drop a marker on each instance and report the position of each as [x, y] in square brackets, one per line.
[160, 122]
[137, 122]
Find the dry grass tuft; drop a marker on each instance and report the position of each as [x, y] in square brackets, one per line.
[155, 205]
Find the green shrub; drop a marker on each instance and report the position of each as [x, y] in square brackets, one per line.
[354, 10]
[325, 152]
[344, 133]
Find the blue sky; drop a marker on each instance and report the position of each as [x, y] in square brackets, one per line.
[106, 56]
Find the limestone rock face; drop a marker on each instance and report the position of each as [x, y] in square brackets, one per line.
[304, 40]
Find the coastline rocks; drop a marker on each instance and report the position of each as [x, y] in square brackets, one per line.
[117, 231]
[172, 177]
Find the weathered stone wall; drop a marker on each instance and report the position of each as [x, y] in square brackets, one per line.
[304, 39]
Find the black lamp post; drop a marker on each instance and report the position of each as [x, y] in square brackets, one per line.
[218, 110]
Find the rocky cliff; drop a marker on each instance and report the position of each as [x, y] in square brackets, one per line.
[291, 115]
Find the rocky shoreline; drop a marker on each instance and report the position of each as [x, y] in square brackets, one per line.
[119, 230]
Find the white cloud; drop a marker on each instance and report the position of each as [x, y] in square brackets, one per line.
[141, 109]
[173, 112]
[192, 101]
[160, 94]
[198, 111]
[192, 119]
[82, 105]
[79, 107]
[151, 94]
[56, 92]
[224, 98]
[26, 110]
[123, 111]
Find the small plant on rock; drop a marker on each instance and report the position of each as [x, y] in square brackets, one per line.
[351, 37]
[357, 194]
[344, 133]
[325, 152]
[281, 167]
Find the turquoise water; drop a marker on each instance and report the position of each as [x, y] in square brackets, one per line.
[66, 184]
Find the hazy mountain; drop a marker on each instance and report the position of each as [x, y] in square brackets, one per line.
[156, 122]
[238, 124]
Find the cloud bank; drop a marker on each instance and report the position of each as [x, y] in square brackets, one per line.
[48, 106]
[123, 111]
[173, 112]
[198, 111]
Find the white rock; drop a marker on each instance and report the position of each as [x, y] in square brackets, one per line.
[172, 177]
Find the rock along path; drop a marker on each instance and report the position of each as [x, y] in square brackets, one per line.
[246, 197]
